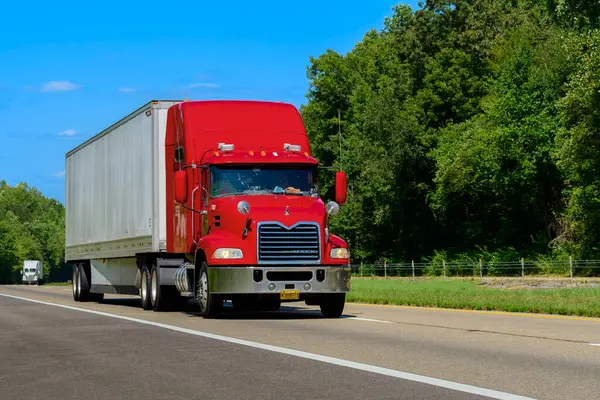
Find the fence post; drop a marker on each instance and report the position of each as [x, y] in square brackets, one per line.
[480, 269]
[571, 267]
[361, 269]
[385, 268]
[444, 262]
[413, 269]
[523, 268]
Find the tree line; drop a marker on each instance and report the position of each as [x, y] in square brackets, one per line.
[468, 128]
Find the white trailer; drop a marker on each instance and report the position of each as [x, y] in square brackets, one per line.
[33, 272]
[115, 202]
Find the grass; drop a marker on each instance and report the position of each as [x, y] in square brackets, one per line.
[475, 296]
[57, 284]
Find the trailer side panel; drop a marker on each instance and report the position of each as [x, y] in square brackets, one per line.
[113, 186]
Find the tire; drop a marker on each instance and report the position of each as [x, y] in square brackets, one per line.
[210, 304]
[332, 305]
[84, 284]
[145, 289]
[161, 298]
[76, 283]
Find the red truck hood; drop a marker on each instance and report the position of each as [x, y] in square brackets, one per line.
[286, 209]
[227, 224]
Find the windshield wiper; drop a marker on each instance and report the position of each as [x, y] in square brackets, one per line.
[245, 192]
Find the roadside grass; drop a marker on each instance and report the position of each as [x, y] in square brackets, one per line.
[471, 294]
[57, 283]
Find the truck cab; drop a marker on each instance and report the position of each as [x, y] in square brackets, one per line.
[243, 190]
[33, 272]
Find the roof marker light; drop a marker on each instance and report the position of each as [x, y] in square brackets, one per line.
[263, 153]
[292, 147]
[275, 154]
[226, 147]
[251, 153]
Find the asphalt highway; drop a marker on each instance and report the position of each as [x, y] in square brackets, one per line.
[54, 348]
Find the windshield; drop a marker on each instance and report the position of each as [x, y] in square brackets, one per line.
[269, 179]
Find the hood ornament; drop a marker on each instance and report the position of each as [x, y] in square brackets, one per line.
[287, 210]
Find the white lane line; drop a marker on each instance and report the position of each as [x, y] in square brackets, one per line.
[594, 344]
[369, 319]
[494, 394]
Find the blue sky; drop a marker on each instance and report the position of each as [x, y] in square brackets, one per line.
[70, 69]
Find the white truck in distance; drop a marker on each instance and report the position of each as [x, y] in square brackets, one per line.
[33, 272]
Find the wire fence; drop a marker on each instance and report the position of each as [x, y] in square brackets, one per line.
[482, 269]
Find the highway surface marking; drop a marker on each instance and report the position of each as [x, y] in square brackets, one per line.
[494, 394]
[369, 319]
[511, 314]
[594, 344]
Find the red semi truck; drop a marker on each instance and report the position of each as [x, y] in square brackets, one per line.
[208, 200]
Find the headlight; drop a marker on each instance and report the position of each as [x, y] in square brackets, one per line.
[340, 253]
[228, 253]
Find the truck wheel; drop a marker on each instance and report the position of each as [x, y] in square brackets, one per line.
[145, 289]
[76, 283]
[210, 304]
[332, 305]
[84, 284]
[159, 295]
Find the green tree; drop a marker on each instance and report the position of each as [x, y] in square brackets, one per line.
[33, 228]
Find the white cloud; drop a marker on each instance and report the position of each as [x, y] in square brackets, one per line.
[127, 90]
[68, 132]
[59, 174]
[59, 86]
[204, 85]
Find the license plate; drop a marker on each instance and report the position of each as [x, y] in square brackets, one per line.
[289, 295]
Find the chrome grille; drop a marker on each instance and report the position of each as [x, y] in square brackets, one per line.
[280, 244]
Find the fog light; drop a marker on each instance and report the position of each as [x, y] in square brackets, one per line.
[271, 286]
[258, 275]
[320, 275]
[307, 286]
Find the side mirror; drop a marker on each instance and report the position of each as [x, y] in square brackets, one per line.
[341, 190]
[181, 186]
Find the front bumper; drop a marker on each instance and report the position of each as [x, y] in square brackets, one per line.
[243, 280]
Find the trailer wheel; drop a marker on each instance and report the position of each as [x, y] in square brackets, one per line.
[145, 289]
[332, 305]
[76, 283]
[160, 297]
[210, 304]
[83, 284]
